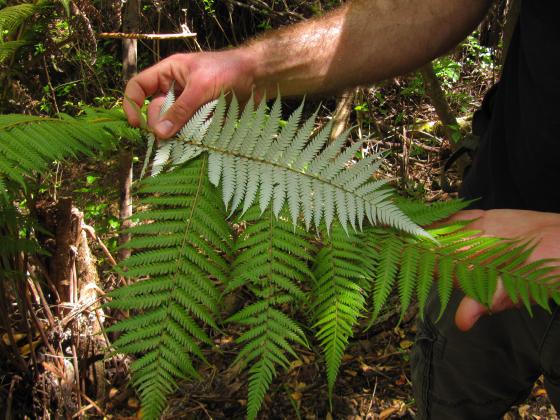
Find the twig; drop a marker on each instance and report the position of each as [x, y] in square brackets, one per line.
[53, 93]
[395, 145]
[43, 303]
[77, 311]
[107, 341]
[121, 35]
[76, 374]
[45, 273]
[92, 404]
[91, 232]
[372, 396]
[37, 323]
[15, 379]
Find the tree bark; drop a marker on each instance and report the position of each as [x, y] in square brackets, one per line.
[62, 261]
[131, 24]
[125, 199]
[437, 97]
[342, 112]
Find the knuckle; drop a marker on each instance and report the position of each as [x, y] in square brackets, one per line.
[179, 111]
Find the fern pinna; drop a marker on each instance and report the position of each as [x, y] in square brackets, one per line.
[284, 182]
[338, 296]
[271, 262]
[184, 251]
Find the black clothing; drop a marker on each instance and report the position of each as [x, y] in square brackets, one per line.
[516, 165]
[479, 374]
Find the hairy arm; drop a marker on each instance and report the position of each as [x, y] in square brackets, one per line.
[362, 42]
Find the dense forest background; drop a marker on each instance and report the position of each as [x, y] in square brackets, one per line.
[64, 56]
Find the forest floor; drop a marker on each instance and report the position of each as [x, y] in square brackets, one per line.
[374, 384]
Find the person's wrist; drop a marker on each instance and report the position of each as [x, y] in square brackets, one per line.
[260, 80]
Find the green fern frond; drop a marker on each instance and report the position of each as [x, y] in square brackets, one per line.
[386, 271]
[181, 260]
[12, 17]
[28, 144]
[338, 298]
[285, 165]
[425, 214]
[280, 177]
[272, 263]
[9, 48]
[476, 262]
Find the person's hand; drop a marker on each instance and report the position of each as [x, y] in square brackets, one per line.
[199, 77]
[531, 225]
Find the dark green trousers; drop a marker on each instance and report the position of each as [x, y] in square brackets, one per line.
[480, 374]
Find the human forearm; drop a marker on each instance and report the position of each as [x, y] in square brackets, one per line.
[361, 42]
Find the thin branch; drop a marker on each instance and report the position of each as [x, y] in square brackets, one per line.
[122, 35]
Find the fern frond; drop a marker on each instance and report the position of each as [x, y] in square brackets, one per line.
[279, 175]
[28, 144]
[338, 298]
[425, 214]
[476, 262]
[12, 17]
[272, 264]
[9, 48]
[386, 271]
[181, 261]
[289, 167]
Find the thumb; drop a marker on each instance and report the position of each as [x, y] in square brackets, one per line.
[179, 113]
[470, 310]
[468, 313]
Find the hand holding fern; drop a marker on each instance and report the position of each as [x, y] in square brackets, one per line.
[543, 228]
[200, 78]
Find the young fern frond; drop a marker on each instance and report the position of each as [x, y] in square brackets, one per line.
[291, 168]
[338, 297]
[182, 255]
[272, 263]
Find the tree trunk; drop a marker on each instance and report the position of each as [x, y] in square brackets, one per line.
[62, 261]
[131, 24]
[437, 97]
[125, 199]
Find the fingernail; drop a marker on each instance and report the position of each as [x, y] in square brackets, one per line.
[164, 128]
